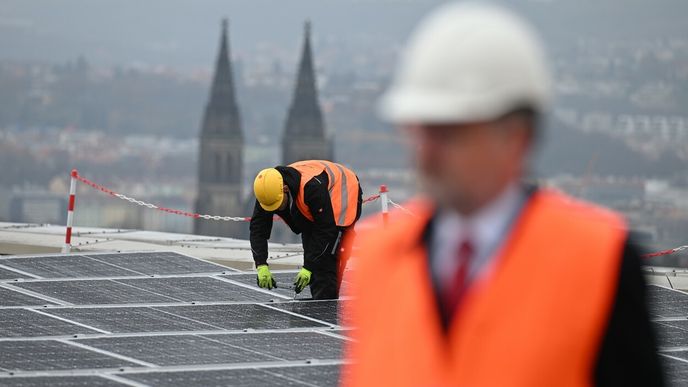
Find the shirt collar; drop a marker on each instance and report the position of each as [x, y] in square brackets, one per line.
[485, 227]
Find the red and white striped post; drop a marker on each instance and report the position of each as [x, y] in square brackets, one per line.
[70, 212]
[385, 204]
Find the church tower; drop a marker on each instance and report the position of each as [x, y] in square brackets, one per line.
[220, 159]
[304, 134]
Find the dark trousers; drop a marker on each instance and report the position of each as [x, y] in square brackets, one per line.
[327, 275]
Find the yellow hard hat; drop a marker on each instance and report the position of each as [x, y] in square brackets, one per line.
[268, 187]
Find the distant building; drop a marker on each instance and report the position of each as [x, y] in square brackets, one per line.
[304, 135]
[220, 159]
[38, 207]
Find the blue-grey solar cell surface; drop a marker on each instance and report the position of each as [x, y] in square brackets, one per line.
[166, 319]
[8, 274]
[669, 311]
[159, 319]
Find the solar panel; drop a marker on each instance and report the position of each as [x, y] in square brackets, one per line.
[667, 302]
[315, 375]
[672, 333]
[183, 318]
[86, 292]
[156, 319]
[130, 319]
[222, 348]
[10, 297]
[53, 355]
[108, 265]
[242, 316]
[669, 309]
[60, 381]
[327, 311]
[197, 289]
[177, 350]
[144, 290]
[160, 263]
[677, 370]
[286, 346]
[190, 325]
[67, 266]
[6, 274]
[28, 323]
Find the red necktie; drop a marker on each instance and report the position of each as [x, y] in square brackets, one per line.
[454, 290]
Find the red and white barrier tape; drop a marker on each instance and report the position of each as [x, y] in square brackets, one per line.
[383, 194]
[665, 252]
[157, 207]
[371, 199]
[75, 175]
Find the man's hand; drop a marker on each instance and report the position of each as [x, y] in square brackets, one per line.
[265, 279]
[303, 278]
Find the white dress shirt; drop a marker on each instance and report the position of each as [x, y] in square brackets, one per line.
[486, 230]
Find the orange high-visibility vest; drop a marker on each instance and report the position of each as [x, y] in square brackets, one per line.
[343, 188]
[537, 318]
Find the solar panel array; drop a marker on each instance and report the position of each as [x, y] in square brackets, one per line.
[166, 319]
[158, 318]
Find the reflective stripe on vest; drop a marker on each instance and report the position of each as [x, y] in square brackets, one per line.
[343, 189]
[537, 318]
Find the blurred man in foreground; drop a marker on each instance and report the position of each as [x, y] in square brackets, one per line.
[492, 283]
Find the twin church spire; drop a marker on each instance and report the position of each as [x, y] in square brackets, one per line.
[220, 160]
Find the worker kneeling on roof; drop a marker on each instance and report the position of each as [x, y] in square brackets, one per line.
[318, 199]
[492, 282]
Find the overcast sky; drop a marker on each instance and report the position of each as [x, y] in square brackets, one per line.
[184, 33]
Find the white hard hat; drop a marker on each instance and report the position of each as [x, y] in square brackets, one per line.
[468, 62]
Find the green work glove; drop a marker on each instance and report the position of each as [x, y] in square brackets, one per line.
[303, 278]
[265, 279]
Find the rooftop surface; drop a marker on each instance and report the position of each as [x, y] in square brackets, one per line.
[145, 308]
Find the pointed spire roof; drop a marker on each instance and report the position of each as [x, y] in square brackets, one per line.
[305, 116]
[222, 114]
